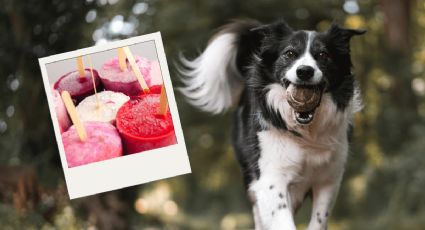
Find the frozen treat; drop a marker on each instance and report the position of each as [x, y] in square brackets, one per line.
[101, 107]
[114, 79]
[141, 127]
[78, 87]
[103, 142]
[61, 113]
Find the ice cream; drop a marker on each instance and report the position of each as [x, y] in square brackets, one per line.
[62, 115]
[114, 79]
[141, 127]
[103, 143]
[78, 87]
[105, 111]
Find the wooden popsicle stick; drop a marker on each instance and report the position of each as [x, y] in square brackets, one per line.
[74, 116]
[80, 65]
[163, 102]
[121, 59]
[94, 84]
[136, 69]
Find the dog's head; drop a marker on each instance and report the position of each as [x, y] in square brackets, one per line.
[308, 60]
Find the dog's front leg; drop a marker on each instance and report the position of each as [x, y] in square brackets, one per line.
[323, 198]
[273, 203]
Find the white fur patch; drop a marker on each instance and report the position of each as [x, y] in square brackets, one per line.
[328, 123]
[357, 101]
[308, 60]
[212, 81]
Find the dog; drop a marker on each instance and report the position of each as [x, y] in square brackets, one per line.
[284, 154]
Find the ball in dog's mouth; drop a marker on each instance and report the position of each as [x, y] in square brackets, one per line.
[304, 100]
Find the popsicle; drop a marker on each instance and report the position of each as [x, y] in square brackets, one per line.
[102, 107]
[78, 86]
[141, 127]
[118, 80]
[154, 89]
[103, 142]
[62, 115]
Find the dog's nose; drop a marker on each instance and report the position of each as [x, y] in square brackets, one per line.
[305, 72]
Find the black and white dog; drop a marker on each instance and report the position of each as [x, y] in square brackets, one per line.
[284, 154]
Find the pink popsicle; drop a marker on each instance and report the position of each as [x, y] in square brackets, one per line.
[156, 73]
[103, 143]
[124, 81]
[62, 115]
[78, 87]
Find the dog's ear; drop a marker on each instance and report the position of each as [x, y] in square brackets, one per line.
[340, 37]
[279, 28]
[269, 36]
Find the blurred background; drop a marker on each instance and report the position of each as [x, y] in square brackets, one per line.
[384, 182]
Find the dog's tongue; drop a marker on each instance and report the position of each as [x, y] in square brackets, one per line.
[304, 101]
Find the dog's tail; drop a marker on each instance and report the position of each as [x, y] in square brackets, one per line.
[213, 81]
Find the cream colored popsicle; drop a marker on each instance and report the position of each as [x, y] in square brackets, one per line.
[105, 111]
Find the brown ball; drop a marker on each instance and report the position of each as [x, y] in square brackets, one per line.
[303, 99]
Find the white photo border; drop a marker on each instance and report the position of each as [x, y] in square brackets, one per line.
[128, 170]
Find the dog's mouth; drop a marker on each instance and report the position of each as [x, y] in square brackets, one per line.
[304, 117]
[304, 99]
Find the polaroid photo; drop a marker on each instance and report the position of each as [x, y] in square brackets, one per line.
[114, 115]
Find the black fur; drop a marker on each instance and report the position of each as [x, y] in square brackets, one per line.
[263, 59]
[245, 141]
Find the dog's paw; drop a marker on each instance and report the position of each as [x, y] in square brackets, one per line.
[282, 224]
[317, 227]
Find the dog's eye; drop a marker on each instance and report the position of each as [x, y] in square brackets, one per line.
[323, 55]
[290, 54]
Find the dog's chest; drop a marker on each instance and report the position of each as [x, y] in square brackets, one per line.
[298, 161]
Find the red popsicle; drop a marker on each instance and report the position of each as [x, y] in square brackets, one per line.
[103, 142]
[114, 79]
[77, 86]
[141, 127]
[154, 89]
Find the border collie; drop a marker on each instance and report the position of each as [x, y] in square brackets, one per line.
[284, 154]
